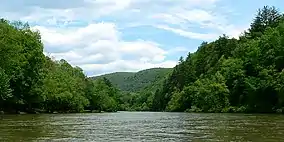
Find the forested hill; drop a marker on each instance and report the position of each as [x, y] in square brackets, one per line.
[229, 74]
[31, 82]
[244, 74]
[136, 82]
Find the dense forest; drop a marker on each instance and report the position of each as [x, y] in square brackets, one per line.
[226, 75]
[137, 89]
[136, 81]
[231, 75]
[242, 74]
[31, 82]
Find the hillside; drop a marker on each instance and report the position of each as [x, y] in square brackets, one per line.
[116, 78]
[229, 74]
[135, 82]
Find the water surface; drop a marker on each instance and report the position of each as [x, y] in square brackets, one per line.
[142, 126]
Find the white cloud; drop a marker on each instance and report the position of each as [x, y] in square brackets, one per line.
[183, 20]
[99, 47]
[143, 49]
[188, 34]
[184, 13]
[168, 18]
[40, 11]
[177, 49]
[233, 31]
[70, 38]
[125, 65]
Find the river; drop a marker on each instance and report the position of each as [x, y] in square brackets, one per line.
[142, 126]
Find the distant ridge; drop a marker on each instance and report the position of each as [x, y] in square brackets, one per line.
[136, 81]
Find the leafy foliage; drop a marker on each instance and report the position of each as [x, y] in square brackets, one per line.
[31, 82]
[135, 82]
[231, 75]
[226, 75]
[137, 89]
[5, 91]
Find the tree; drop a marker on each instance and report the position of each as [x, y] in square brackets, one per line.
[210, 94]
[266, 17]
[230, 74]
[22, 58]
[5, 91]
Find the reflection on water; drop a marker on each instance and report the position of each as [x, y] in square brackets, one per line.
[142, 126]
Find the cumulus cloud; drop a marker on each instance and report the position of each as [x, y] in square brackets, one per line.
[98, 48]
[125, 65]
[75, 30]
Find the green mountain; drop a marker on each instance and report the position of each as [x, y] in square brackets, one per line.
[229, 74]
[136, 82]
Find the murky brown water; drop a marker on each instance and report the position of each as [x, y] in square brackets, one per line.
[142, 126]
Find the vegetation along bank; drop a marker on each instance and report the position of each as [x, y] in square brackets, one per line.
[242, 74]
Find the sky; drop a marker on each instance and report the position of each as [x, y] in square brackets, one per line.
[104, 36]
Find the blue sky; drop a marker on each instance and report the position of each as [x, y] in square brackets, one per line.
[103, 36]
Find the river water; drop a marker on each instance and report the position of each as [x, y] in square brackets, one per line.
[142, 126]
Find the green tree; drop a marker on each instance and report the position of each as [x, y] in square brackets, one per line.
[5, 91]
[266, 17]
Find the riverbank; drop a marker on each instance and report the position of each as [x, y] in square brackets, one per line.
[236, 110]
[45, 112]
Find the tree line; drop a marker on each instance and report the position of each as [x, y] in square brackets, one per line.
[229, 74]
[32, 82]
[242, 74]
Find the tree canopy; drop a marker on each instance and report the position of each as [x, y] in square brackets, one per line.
[231, 75]
[244, 74]
[31, 82]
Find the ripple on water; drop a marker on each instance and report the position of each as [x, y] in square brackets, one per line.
[142, 126]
